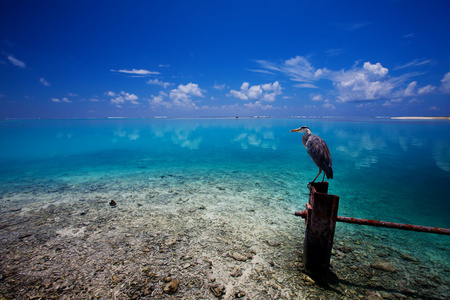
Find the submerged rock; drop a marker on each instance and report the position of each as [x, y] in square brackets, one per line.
[171, 287]
[113, 203]
[238, 256]
[273, 243]
[239, 293]
[384, 266]
[218, 290]
[236, 272]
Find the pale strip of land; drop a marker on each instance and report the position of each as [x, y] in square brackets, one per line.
[421, 118]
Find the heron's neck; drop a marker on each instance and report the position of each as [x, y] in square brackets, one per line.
[305, 137]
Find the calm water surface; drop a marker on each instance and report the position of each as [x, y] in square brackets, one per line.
[387, 170]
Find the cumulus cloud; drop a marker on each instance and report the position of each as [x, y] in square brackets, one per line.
[140, 72]
[376, 69]
[44, 82]
[411, 90]
[258, 105]
[158, 101]
[16, 62]
[367, 83]
[159, 82]
[181, 96]
[328, 106]
[265, 92]
[122, 97]
[316, 97]
[57, 100]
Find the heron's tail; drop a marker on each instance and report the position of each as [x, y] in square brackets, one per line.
[328, 172]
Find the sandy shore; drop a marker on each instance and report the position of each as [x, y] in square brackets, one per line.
[171, 237]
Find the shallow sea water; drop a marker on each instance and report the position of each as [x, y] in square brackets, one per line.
[386, 170]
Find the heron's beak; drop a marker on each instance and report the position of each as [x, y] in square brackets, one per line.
[295, 130]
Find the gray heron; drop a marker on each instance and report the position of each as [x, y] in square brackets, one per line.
[318, 151]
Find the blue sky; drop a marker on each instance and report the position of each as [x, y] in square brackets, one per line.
[87, 59]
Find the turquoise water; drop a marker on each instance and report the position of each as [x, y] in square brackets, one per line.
[385, 170]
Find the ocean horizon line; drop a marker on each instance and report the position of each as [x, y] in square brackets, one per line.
[244, 117]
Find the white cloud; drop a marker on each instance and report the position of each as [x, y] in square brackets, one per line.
[426, 89]
[409, 91]
[16, 62]
[141, 72]
[158, 101]
[44, 82]
[392, 103]
[367, 82]
[129, 97]
[316, 97]
[359, 86]
[122, 97]
[160, 83]
[258, 105]
[376, 69]
[61, 100]
[328, 106]
[414, 63]
[181, 96]
[445, 86]
[306, 85]
[118, 100]
[190, 89]
[240, 94]
[219, 86]
[414, 100]
[266, 92]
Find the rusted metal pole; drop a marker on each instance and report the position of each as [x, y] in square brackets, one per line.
[320, 226]
[385, 224]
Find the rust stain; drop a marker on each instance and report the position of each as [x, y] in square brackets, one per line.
[376, 223]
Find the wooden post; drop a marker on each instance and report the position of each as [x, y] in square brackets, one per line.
[320, 225]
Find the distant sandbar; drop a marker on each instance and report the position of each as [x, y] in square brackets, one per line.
[421, 118]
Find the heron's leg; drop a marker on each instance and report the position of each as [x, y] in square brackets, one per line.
[323, 178]
[320, 171]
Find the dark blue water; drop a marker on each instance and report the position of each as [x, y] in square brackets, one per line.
[386, 170]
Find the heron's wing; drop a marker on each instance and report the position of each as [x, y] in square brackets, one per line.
[320, 154]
